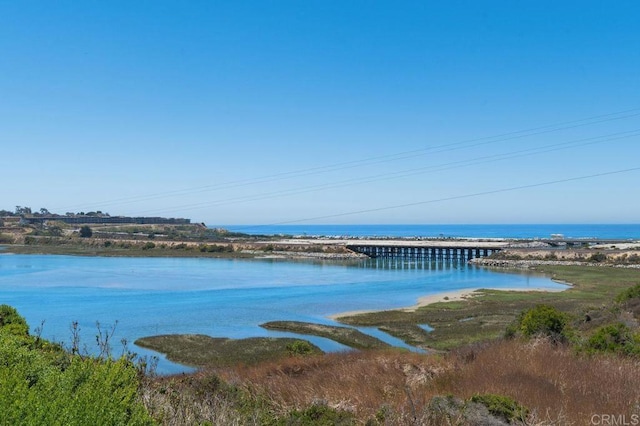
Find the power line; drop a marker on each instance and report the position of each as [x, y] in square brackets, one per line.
[376, 159]
[456, 197]
[411, 172]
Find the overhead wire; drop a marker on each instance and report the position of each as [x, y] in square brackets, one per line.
[410, 172]
[374, 159]
[444, 199]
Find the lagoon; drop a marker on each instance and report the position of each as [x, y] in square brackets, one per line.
[219, 297]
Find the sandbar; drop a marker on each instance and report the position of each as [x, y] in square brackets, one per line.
[449, 296]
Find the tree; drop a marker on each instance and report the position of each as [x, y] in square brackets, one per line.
[22, 210]
[86, 232]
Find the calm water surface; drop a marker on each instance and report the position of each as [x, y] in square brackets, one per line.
[218, 297]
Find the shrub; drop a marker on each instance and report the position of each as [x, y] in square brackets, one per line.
[502, 406]
[614, 338]
[215, 248]
[148, 246]
[6, 239]
[86, 232]
[318, 415]
[543, 320]
[300, 348]
[219, 248]
[41, 384]
[449, 410]
[597, 257]
[630, 293]
[12, 322]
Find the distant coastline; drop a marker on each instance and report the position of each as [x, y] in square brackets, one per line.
[515, 231]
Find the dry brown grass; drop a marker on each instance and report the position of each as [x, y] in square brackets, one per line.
[557, 385]
[195, 399]
[552, 381]
[360, 382]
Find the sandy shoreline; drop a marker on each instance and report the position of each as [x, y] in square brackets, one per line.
[449, 296]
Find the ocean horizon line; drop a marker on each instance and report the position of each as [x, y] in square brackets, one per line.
[527, 231]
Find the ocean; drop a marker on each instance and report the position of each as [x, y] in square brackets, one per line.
[599, 231]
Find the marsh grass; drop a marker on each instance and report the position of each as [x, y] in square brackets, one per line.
[486, 315]
[202, 350]
[346, 335]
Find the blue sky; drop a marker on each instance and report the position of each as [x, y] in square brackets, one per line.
[275, 111]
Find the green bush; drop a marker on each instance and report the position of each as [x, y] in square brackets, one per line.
[40, 384]
[630, 293]
[317, 415]
[86, 232]
[503, 407]
[148, 246]
[300, 348]
[614, 338]
[12, 322]
[543, 320]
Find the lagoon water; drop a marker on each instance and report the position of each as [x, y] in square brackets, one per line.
[218, 297]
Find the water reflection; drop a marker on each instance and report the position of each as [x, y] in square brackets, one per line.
[400, 263]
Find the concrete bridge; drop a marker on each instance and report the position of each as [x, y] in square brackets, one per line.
[434, 251]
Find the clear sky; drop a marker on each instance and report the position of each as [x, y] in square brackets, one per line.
[261, 112]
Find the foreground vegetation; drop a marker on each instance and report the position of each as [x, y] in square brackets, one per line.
[530, 378]
[42, 384]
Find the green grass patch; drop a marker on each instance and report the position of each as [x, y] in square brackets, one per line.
[346, 335]
[200, 350]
